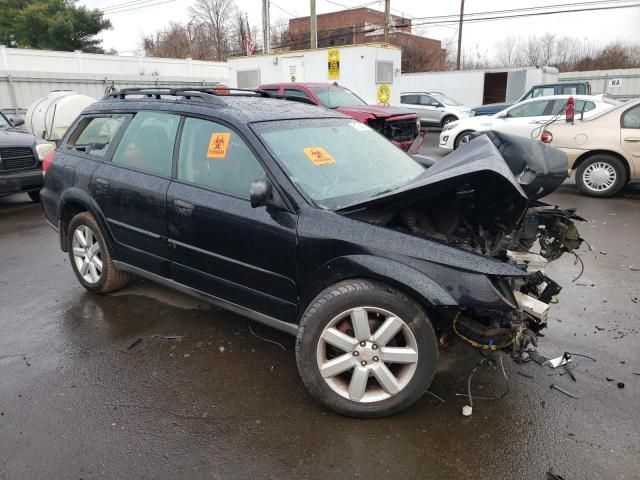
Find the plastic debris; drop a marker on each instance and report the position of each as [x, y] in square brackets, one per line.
[562, 390]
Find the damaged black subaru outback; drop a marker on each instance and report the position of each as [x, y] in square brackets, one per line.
[312, 223]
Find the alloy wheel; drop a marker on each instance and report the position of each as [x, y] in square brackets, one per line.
[367, 354]
[87, 254]
[464, 139]
[599, 176]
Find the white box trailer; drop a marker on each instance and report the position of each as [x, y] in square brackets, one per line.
[479, 87]
[361, 68]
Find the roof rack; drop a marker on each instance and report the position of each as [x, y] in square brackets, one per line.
[209, 94]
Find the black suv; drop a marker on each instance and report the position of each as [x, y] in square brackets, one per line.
[313, 223]
[21, 156]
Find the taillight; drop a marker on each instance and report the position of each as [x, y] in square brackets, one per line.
[546, 137]
[48, 160]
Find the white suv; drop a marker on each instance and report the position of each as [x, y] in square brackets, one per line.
[434, 108]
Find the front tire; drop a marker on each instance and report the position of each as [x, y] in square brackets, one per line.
[90, 257]
[365, 349]
[463, 138]
[601, 175]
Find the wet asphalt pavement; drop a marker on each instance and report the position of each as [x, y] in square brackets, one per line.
[202, 396]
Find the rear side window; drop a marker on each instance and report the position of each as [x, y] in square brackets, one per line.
[631, 118]
[147, 144]
[410, 99]
[560, 105]
[214, 156]
[293, 92]
[531, 109]
[94, 135]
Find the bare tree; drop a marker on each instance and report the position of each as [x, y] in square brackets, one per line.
[509, 52]
[280, 35]
[217, 16]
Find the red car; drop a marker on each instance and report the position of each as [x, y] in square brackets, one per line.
[399, 125]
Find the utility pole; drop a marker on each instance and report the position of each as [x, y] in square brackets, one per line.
[314, 25]
[387, 13]
[460, 34]
[266, 33]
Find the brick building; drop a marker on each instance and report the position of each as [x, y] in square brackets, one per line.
[365, 25]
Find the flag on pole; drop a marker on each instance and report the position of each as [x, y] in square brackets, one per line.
[251, 46]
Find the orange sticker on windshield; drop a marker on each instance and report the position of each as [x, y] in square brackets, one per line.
[318, 156]
[218, 145]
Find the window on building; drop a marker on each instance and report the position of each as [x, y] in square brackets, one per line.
[248, 78]
[384, 71]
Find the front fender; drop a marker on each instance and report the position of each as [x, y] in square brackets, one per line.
[430, 284]
[393, 273]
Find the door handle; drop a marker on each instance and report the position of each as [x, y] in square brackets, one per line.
[182, 207]
[102, 184]
[632, 139]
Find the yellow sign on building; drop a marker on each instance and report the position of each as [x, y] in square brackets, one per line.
[333, 63]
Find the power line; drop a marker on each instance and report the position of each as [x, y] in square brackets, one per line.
[524, 9]
[283, 10]
[138, 6]
[535, 14]
[369, 29]
[122, 4]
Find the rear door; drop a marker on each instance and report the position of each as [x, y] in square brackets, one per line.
[630, 138]
[131, 190]
[524, 119]
[220, 244]
[412, 101]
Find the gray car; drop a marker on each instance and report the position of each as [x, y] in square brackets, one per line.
[21, 156]
[434, 108]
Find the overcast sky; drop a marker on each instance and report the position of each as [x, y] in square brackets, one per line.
[598, 26]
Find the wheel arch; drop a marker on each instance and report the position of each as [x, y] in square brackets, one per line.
[455, 140]
[585, 156]
[451, 116]
[404, 278]
[72, 202]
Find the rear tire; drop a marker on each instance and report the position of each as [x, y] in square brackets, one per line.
[34, 196]
[462, 138]
[90, 257]
[601, 175]
[366, 370]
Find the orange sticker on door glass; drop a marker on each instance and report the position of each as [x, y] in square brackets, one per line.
[318, 156]
[218, 145]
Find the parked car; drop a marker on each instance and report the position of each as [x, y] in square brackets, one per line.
[399, 125]
[21, 155]
[434, 108]
[525, 119]
[310, 222]
[545, 90]
[604, 151]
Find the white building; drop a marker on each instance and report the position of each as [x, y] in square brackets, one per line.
[361, 68]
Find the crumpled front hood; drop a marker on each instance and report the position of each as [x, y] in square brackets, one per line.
[10, 137]
[375, 111]
[477, 166]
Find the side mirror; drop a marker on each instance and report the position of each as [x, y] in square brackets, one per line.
[502, 115]
[260, 193]
[16, 122]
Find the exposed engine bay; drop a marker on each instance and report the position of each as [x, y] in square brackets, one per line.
[491, 206]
